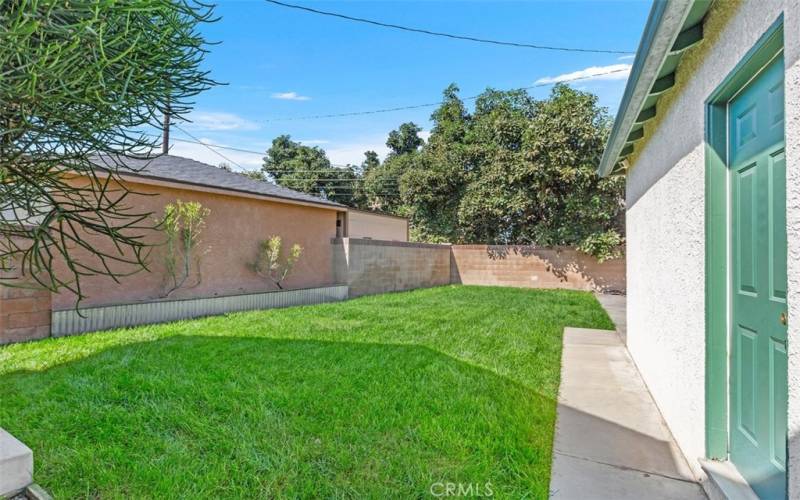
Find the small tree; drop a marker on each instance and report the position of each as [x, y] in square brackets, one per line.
[268, 263]
[182, 224]
[81, 84]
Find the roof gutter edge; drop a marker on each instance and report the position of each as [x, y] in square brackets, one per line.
[663, 26]
[196, 186]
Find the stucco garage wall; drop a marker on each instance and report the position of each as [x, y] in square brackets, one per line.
[230, 239]
[376, 226]
[666, 226]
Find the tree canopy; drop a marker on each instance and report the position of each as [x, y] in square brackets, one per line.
[405, 139]
[516, 170]
[307, 169]
[80, 82]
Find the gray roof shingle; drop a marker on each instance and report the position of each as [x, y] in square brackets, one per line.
[187, 171]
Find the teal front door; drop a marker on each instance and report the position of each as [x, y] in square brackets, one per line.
[758, 371]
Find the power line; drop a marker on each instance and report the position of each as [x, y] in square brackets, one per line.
[230, 148]
[344, 188]
[438, 103]
[197, 141]
[209, 147]
[402, 108]
[446, 35]
[214, 147]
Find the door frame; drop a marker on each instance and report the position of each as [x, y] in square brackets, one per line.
[717, 222]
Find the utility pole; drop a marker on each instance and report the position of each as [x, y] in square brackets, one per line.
[165, 137]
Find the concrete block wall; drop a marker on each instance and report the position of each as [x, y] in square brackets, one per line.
[372, 266]
[534, 267]
[25, 313]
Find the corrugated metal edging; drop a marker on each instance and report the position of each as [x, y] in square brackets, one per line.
[92, 319]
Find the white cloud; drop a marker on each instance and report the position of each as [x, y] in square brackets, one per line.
[290, 96]
[205, 154]
[219, 121]
[593, 73]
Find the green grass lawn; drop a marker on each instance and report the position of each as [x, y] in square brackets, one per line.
[375, 397]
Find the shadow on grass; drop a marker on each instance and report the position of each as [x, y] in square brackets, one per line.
[192, 416]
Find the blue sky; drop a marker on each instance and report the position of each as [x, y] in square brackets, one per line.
[281, 63]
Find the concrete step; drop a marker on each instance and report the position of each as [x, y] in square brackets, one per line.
[724, 482]
[16, 465]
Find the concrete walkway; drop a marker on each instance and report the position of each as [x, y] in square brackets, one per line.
[615, 307]
[611, 442]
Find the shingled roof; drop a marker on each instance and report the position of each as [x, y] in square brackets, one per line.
[187, 171]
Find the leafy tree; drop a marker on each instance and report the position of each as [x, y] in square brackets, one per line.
[432, 189]
[381, 183]
[256, 175]
[295, 165]
[567, 203]
[450, 120]
[405, 139]
[307, 169]
[371, 161]
[514, 171]
[346, 185]
[80, 81]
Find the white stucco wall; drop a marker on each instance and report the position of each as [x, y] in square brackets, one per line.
[666, 231]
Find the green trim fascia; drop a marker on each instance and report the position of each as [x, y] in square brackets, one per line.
[654, 20]
[663, 84]
[666, 22]
[716, 229]
[688, 38]
[646, 114]
[626, 150]
[635, 135]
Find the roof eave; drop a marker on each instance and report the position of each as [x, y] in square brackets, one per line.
[192, 186]
[664, 24]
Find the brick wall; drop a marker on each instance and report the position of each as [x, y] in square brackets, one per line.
[372, 266]
[24, 312]
[534, 267]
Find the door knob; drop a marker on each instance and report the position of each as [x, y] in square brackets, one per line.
[782, 318]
